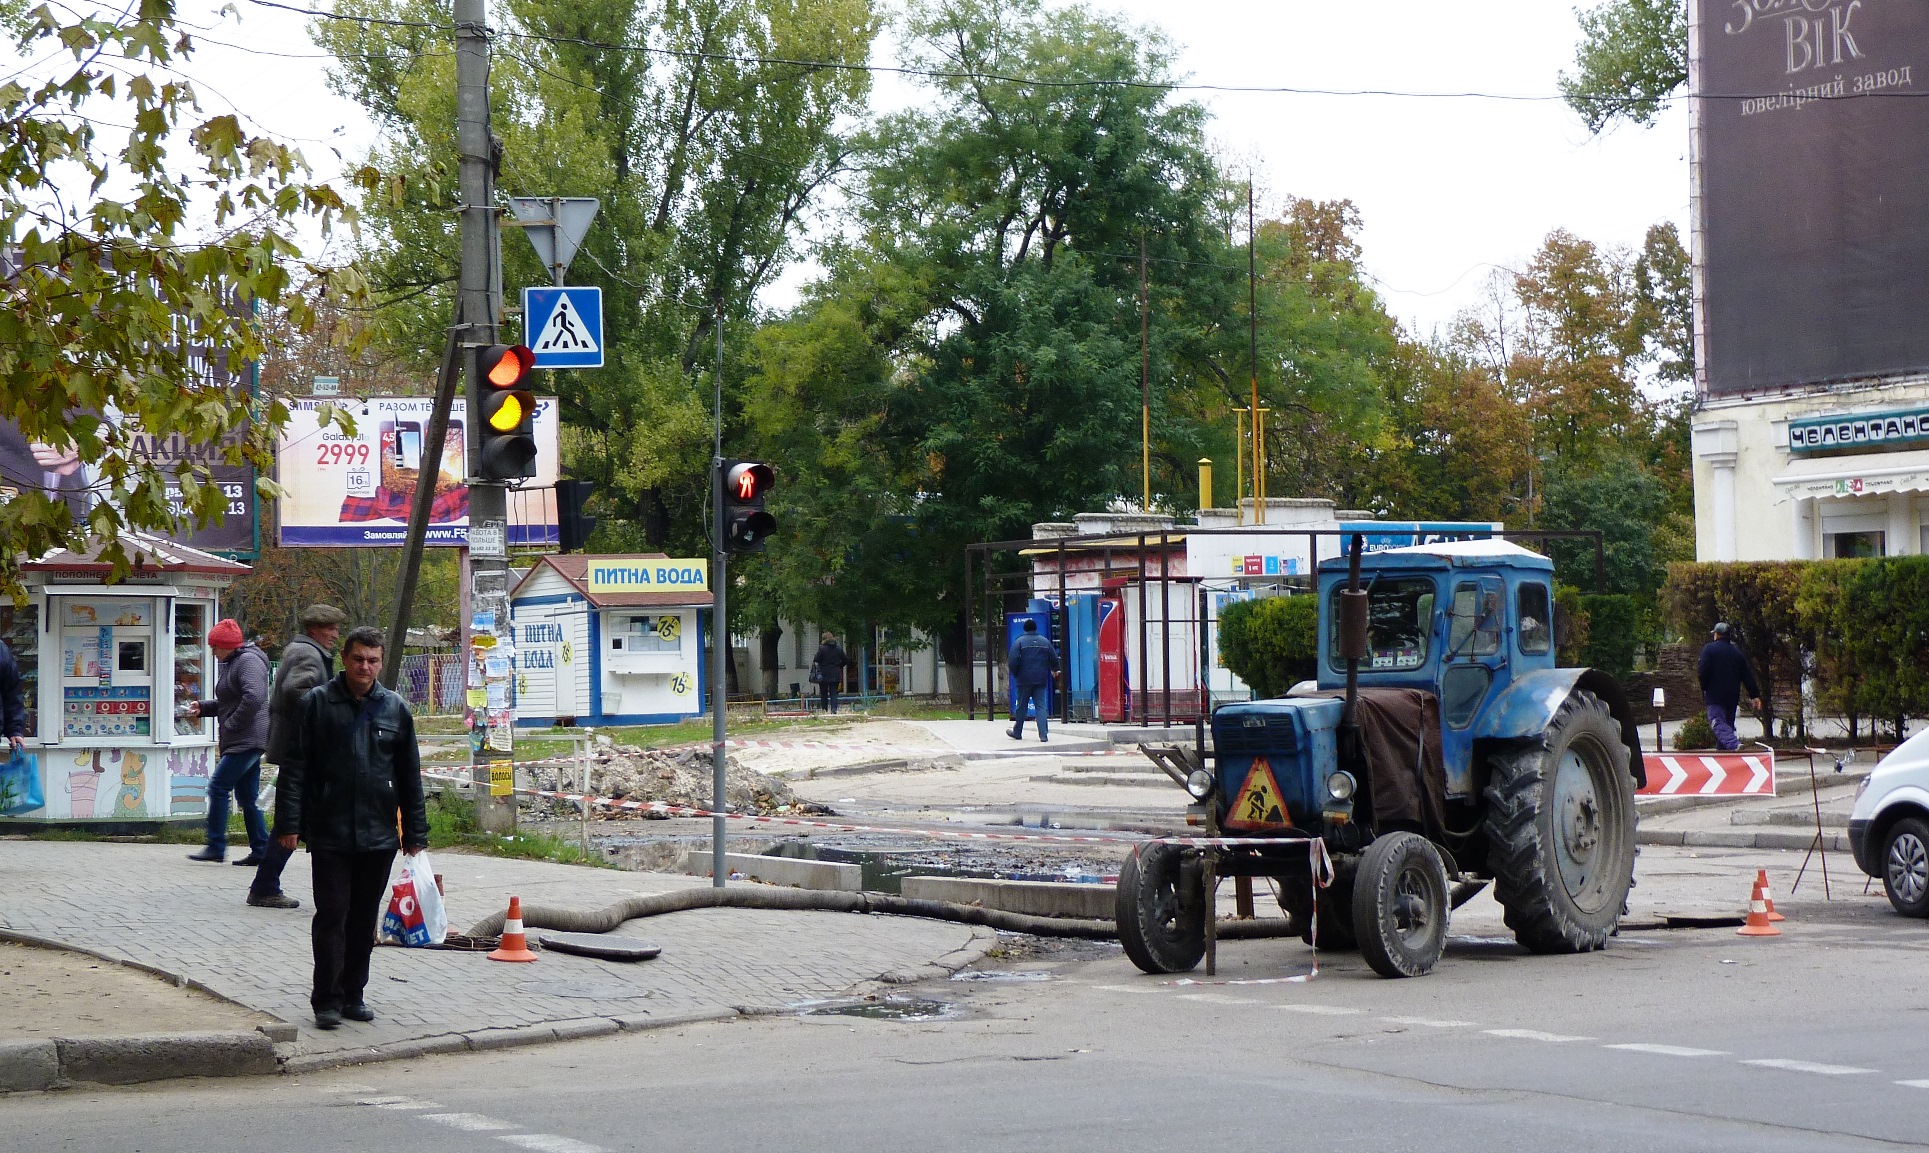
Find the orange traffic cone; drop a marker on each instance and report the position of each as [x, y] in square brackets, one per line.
[1757, 924]
[515, 943]
[1768, 898]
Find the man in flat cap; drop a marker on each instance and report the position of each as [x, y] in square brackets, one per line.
[1723, 671]
[307, 660]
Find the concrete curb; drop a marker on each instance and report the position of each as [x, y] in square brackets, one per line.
[484, 1040]
[58, 1062]
[1834, 842]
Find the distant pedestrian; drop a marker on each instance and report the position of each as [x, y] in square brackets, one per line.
[1031, 663]
[13, 706]
[307, 660]
[240, 709]
[352, 766]
[1724, 672]
[827, 671]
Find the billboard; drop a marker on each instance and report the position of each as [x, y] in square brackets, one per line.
[1813, 150]
[355, 489]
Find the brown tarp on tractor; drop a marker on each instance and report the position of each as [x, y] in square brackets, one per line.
[1406, 777]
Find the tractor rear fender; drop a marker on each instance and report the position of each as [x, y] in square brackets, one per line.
[1524, 709]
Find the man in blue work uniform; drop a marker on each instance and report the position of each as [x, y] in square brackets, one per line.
[1031, 663]
[1724, 672]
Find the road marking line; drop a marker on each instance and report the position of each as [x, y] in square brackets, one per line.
[1533, 1035]
[1429, 1022]
[1217, 999]
[1915, 1084]
[398, 1103]
[467, 1122]
[1807, 1067]
[1669, 1050]
[1127, 988]
[546, 1143]
[1320, 1010]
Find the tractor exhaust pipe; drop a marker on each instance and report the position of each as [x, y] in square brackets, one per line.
[1353, 650]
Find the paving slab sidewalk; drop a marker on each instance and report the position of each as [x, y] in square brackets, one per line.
[149, 905]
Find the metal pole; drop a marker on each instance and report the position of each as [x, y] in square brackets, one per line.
[589, 737]
[719, 634]
[1139, 713]
[991, 675]
[1165, 626]
[430, 468]
[1202, 601]
[971, 697]
[1064, 644]
[480, 306]
[1252, 321]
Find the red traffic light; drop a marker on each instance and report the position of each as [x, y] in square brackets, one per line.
[747, 481]
[507, 365]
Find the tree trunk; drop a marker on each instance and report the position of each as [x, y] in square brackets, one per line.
[769, 657]
[954, 646]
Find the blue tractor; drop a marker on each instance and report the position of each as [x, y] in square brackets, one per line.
[1439, 750]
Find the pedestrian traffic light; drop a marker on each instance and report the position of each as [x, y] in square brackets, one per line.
[745, 523]
[572, 527]
[507, 422]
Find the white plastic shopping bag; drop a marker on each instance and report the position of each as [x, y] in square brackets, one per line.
[415, 916]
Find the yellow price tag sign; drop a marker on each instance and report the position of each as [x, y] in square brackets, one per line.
[669, 628]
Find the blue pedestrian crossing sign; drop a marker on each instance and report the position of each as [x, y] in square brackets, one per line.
[564, 326]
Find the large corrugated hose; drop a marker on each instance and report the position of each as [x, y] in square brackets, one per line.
[609, 917]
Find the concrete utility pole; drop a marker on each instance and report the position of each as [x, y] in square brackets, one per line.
[719, 637]
[488, 500]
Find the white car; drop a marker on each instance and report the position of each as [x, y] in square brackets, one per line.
[1889, 827]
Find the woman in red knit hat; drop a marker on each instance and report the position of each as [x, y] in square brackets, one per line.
[240, 706]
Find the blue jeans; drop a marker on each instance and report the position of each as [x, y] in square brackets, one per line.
[1031, 698]
[1721, 718]
[240, 773]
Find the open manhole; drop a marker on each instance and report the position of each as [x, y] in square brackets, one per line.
[885, 1009]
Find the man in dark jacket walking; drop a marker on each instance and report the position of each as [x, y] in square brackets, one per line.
[352, 765]
[1031, 663]
[827, 671]
[240, 706]
[13, 706]
[306, 661]
[1724, 672]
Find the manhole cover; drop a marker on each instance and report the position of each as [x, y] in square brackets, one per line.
[884, 1009]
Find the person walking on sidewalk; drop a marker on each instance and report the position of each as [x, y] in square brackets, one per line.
[827, 671]
[352, 766]
[1030, 663]
[1724, 672]
[307, 660]
[240, 709]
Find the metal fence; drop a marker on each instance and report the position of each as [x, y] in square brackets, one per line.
[432, 683]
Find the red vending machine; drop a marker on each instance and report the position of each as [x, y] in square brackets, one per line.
[1114, 675]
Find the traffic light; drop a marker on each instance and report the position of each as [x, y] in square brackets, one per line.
[572, 527]
[507, 423]
[745, 523]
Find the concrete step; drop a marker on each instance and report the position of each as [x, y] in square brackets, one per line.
[1108, 780]
[1835, 841]
[798, 874]
[1035, 898]
[1835, 817]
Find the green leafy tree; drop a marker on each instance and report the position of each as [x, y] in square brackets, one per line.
[139, 241]
[1632, 58]
[1271, 643]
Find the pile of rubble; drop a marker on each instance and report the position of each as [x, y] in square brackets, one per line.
[681, 777]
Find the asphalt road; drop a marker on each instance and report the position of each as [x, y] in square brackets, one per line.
[1818, 1040]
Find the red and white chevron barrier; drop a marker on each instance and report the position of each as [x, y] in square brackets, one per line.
[1744, 774]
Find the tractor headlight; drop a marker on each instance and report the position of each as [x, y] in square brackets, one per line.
[1341, 785]
[1199, 784]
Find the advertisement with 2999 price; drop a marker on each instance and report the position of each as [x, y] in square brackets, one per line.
[356, 489]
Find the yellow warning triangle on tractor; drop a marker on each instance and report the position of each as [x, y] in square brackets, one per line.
[1258, 804]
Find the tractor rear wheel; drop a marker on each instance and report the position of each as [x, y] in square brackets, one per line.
[1161, 908]
[1400, 905]
[1560, 830]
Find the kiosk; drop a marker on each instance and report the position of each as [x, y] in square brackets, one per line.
[107, 672]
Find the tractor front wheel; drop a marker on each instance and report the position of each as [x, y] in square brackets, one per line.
[1400, 905]
[1560, 830]
[1161, 908]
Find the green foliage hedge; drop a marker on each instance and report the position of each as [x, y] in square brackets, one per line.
[1613, 624]
[1271, 644]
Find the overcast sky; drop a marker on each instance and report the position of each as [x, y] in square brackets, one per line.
[1448, 187]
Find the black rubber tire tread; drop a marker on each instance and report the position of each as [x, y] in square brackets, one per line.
[1918, 828]
[1149, 879]
[1381, 866]
[1520, 833]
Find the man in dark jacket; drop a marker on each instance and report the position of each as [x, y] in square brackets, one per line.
[13, 707]
[306, 661]
[1031, 663]
[1724, 672]
[827, 671]
[240, 706]
[352, 765]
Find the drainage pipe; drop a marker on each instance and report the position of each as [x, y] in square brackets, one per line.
[609, 917]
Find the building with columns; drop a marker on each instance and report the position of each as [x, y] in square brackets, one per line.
[1815, 473]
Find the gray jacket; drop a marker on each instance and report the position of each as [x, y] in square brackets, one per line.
[240, 701]
[304, 664]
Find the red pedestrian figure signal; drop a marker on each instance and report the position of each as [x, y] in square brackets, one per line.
[744, 524]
